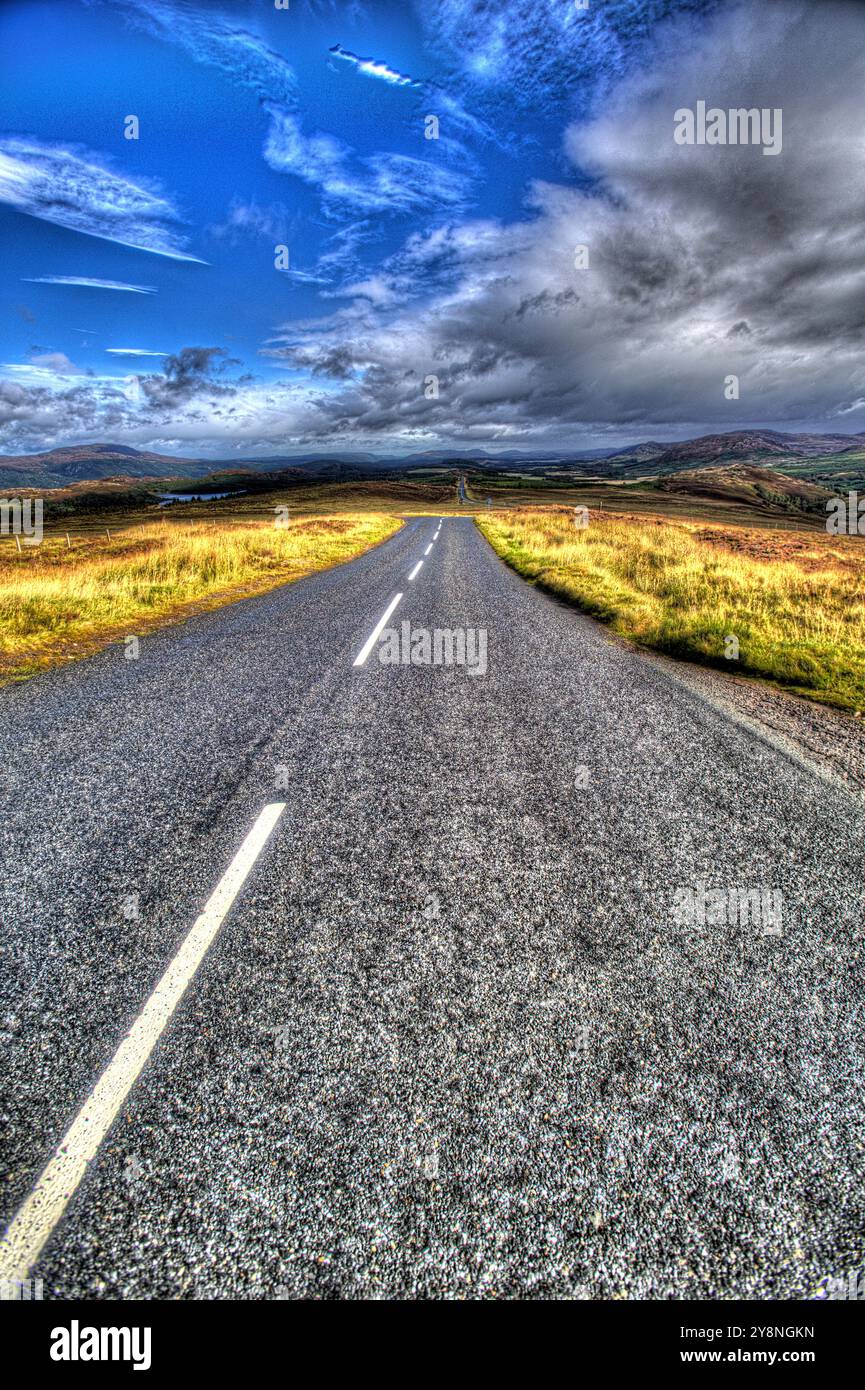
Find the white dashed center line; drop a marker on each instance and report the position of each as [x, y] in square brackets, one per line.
[428, 549]
[415, 571]
[36, 1219]
[368, 644]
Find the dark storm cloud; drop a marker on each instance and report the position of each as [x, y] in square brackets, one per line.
[703, 261]
[189, 373]
[545, 302]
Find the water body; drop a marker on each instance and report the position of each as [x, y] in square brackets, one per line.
[166, 498]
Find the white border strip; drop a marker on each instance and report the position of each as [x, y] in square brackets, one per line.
[368, 644]
[40, 1213]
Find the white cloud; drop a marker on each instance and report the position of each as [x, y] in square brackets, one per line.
[318, 159]
[217, 41]
[372, 67]
[88, 283]
[135, 352]
[269, 222]
[540, 52]
[56, 362]
[374, 183]
[376, 289]
[73, 189]
[45, 372]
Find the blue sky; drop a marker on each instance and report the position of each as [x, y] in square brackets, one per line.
[409, 257]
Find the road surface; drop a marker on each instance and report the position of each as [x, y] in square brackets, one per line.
[451, 1039]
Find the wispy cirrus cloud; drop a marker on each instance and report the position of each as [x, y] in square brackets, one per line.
[542, 54]
[250, 219]
[304, 277]
[88, 283]
[217, 41]
[383, 182]
[341, 251]
[73, 188]
[317, 159]
[135, 352]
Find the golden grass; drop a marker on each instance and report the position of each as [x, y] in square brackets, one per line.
[57, 603]
[794, 601]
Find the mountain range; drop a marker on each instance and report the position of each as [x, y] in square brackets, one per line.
[767, 448]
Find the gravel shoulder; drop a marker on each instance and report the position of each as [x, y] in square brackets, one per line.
[830, 740]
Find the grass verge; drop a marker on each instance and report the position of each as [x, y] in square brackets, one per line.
[794, 601]
[58, 603]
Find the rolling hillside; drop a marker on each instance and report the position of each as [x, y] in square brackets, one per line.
[763, 488]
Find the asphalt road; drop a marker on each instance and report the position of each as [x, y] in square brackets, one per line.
[452, 1039]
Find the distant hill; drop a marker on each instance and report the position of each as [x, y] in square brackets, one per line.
[640, 452]
[753, 444]
[739, 483]
[90, 462]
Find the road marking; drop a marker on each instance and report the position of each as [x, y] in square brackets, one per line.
[414, 572]
[36, 1219]
[368, 644]
[428, 549]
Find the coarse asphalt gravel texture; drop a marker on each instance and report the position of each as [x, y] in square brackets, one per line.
[452, 1040]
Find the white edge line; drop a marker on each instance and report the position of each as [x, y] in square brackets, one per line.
[368, 644]
[416, 570]
[36, 1219]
